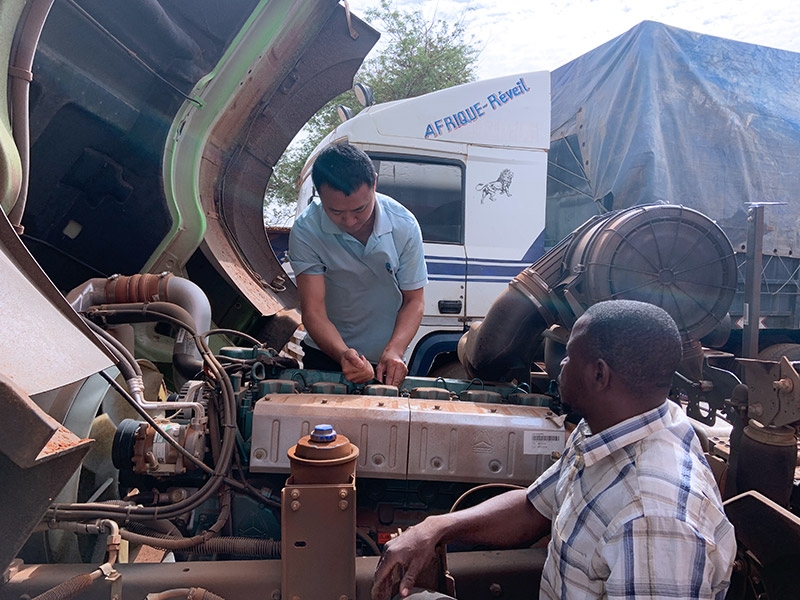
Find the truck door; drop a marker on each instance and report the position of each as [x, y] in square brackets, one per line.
[505, 215]
[433, 189]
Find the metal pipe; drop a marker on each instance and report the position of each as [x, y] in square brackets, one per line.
[147, 312]
[164, 287]
[752, 283]
[21, 74]
[149, 287]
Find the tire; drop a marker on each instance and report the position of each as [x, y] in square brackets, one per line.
[450, 369]
[774, 352]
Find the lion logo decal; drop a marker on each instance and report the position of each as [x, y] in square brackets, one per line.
[501, 185]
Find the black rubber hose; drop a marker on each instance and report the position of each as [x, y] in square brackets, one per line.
[501, 347]
[163, 311]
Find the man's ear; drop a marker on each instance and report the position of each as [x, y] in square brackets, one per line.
[601, 374]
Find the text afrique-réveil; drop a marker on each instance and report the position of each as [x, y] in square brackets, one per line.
[476, 111]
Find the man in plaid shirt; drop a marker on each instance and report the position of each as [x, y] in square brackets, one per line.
[632, 507]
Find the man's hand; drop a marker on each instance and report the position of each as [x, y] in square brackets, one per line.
[391, 369]
[404, 558]
[356, 368]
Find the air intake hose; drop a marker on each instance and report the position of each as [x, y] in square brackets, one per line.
[667, 255]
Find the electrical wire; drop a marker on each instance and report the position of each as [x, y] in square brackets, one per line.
[197, 102]
[161, 311]
[119, 346]
[462, 497]
[233, 332]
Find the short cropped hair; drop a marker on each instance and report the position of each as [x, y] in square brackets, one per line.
[639, 341]
[344, 168]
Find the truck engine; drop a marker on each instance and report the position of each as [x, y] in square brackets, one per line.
[239, 455]
[158, 436]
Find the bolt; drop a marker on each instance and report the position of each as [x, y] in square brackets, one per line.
[260, 454]
[343, 504]
[343, 493]
[343, 597]
[496, 590]
[152, 461]
[295, 506]
[295, 494]
[276, 595]
[178, 494]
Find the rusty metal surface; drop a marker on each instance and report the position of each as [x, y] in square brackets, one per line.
[318, 536]
[773, 391]
[513, 574]
[24, 428]
[246, 142]
[37, 458]
[768, 536]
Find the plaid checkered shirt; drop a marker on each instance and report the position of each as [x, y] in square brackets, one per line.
[635, 514]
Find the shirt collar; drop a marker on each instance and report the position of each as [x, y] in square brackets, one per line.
[598, 446]
[382, 222]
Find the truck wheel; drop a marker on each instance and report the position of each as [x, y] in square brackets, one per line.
[449, 369]
[774, 352]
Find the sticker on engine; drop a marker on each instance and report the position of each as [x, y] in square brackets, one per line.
[542, 442]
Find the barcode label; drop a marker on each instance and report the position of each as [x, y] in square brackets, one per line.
[540, 442]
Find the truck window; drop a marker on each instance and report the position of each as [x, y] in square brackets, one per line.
[433, 191]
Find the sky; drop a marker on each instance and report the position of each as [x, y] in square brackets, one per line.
[531, 35]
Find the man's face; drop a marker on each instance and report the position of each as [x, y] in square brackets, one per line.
[572, 383]
[353, 214]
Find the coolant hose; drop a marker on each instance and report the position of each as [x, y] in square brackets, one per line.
[194, 593]
[68, 589]
[239, 546]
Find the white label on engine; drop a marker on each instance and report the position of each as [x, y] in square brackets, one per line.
[159, 448]
[542, 442]
[160, 444]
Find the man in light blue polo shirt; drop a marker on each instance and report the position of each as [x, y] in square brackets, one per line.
[360, 267]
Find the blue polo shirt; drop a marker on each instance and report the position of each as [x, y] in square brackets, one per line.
[363, 283]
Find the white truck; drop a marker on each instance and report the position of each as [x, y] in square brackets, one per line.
[462, 160]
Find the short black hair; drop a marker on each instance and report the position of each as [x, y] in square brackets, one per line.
[639, 341]
[344, 168]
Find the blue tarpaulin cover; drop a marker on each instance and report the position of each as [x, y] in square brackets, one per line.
[660, 114]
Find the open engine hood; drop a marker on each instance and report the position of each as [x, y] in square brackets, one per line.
[153, 130]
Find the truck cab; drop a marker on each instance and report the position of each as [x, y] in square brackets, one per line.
[471, 163]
